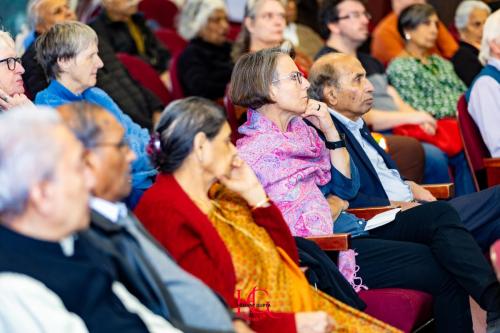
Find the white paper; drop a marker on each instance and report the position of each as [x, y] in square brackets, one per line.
[382, 219]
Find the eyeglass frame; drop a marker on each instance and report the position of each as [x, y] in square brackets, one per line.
[8, 60]
[354, 15]
[298, 77]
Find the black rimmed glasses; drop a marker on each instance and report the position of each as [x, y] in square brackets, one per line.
[11, 62]
[294, 76]
[355, 15]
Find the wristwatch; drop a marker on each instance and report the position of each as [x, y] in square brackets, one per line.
[336, 144]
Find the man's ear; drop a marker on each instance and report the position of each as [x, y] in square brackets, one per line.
[41, 198]
[494, 46]
[330, 95]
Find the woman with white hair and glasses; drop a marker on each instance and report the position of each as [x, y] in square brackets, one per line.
[69, 56]
[11, 69]
[469, 20]
[205, 65]
[484, 94]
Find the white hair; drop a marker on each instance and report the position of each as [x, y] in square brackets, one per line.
[29, 154]
[194, 16]
[6, 41]
[464, 9]
[491, 32]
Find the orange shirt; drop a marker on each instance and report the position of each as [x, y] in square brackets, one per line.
[388, 44]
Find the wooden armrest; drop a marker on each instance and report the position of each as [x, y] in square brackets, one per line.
[333, 242]
[492, 166]
[441, 191]
[369, 212]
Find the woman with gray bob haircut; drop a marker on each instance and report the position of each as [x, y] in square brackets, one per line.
[205, 65]
[68, 54]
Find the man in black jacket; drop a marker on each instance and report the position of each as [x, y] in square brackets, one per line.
[133, 99]
[121, 26]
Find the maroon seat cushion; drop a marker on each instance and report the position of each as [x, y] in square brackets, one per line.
[402, 308]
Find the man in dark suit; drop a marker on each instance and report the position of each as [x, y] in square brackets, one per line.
[184, 300]
[349, 96]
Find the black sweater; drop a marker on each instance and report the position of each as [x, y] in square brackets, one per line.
[204, 69]
[466, 63]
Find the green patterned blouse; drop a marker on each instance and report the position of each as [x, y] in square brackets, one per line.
[433, 87]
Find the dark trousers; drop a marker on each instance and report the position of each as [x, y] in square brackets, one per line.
[427, 248]
[480, 213]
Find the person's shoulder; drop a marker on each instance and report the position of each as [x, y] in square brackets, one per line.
[387, 23]
[371, 64]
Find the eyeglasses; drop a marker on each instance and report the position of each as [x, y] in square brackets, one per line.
[11, 62]
[118, 145]
[355, 15]
[294, 76]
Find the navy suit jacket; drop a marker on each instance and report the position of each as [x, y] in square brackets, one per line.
[371, 192]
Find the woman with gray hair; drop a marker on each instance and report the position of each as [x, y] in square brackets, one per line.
[68, 55]
[205, 65]
[484, 94]
[11, 81]
[469, 20]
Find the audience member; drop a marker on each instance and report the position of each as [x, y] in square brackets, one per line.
[291, 161]
[231, 235]
[60, 279]
[469, 21]
[137, 102]
[305, 39]
[345, 27]
[484, 95]
[427, 81]
[122, 27]
[68, 54]
[187, 302]
[381, 184]
[263, 27]
[11, 69]
[204, 67]
[388, 44]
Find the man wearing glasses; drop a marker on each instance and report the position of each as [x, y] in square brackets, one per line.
[11, 81]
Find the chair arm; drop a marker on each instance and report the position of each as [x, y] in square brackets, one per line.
[441, 191]
[369, 212]
[492, 166]
[333, 242]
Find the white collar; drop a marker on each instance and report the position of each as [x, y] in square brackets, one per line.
[111, 210]
[351, 125]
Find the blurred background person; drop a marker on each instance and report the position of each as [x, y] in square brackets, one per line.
[426, 81]
[301, 36]
[204, 67]
[387, 43]
[470, 17]
[124, 28]
[484, 95]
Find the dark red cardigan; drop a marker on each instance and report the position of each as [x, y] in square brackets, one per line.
[177, 223]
